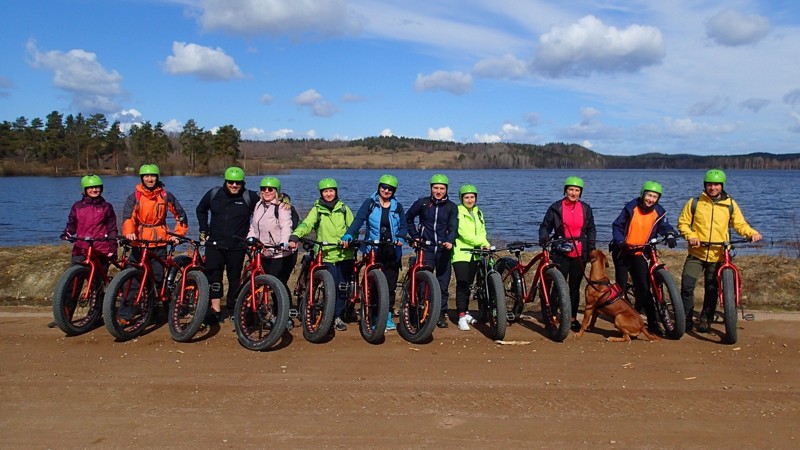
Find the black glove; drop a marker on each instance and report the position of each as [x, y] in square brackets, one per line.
[671, 241]
[64, 236]
[203, 236]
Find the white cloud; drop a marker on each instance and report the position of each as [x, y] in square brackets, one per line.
[209, 64]
[78, 72]
[713, 107]
[386, 132]
[352, 98]
[587, 144]
[457, 83]
[792, 97]
[487, 138]
[754, 104]
[280, 17]
[732, 28]
[589, 126]
[283, 133]
[266, 99]
[532, 118]
[173, 126]
[318, 105]
[254, 134]
[590, 46]
[504, 67]
[687, 127]
[440, 134]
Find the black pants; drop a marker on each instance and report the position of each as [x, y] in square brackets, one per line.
[229, 261]
[640, 276]
[465, 275]
[342, 272]
[391, 268]
[440, 261]
[281, 268]
[572, 269]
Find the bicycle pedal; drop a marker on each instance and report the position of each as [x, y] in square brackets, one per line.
[294, 313]
[510, 317]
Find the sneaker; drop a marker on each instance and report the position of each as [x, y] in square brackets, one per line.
[442, 323]
[575, 326]
[52, 324]
[470, 319]
[703, 326]
[463, 323]
[339, 324]
[390, 323]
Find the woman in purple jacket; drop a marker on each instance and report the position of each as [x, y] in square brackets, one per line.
[92, 217]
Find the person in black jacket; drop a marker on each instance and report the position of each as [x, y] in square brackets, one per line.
[438, 224]
[570, 218]
[231, 208]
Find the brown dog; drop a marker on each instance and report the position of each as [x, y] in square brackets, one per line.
[603, 296]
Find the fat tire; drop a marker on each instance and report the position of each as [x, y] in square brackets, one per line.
[729, 305]
[317, 307]
[560, 306]
[259, 330]
[495, 313]
[118, 289]
[417, 322]
[186, 314]
[373, 316]
[73, 316]
[514, 296]
[671, 315]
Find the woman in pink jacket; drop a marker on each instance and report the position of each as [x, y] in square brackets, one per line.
[272, 225]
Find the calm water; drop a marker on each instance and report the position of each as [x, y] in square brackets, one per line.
[33, 210]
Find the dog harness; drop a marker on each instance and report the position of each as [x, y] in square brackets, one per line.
[612, 294]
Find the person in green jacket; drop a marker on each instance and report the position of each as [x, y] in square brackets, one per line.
[471, 234]
[329, 218]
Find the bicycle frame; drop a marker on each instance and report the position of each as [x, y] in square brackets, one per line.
[254, 267]
[310, 265]
[485, 267]
[650, 254]
[95, 261]
[419, 264]
[727, 263]
[146, 264]
[541, 260]
[362, 267]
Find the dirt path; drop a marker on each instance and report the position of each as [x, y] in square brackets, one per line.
[461, 390]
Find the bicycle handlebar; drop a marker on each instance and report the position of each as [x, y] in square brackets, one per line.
[481, 251]
[725, 243]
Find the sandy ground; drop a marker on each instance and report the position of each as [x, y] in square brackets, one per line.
[460, 390]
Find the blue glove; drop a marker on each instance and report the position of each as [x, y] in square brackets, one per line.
[347, 238]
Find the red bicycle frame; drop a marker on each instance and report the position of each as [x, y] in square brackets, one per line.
[544, 262]
[367, 262]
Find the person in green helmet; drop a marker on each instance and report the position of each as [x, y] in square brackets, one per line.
[640, 220]
[329, 218]
[230, 207]
[471, 234]
[437, 218]
[708, 219]
[386, 221]
[572, 219]
[91, 217]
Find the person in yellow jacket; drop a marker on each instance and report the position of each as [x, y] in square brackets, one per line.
[702, 220]
[471, 234]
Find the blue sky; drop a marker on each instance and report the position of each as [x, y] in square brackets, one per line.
[620, 77]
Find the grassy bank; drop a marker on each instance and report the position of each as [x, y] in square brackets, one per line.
[30, 273]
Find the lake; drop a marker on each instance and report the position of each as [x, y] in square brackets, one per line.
[33, 210]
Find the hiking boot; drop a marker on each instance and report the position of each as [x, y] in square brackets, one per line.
[655, 329]
[470, 319]
[390, 323]
[442, 323]
[339, 324]
[52, 324]
[575, 326]
[463, 323]
[689, 323]
[703, 326]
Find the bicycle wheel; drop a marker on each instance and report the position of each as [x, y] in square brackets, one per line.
[513, 288]
[125, 313]
[418, 320]
[375, 309]
[729, 305]
[558, 315]
[260, 325]
[495, 314]
[187, 311]
[670, 310]
[77, 306]
[317, 308]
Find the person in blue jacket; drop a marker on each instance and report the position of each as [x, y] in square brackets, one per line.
[386, 221]
[438, 224]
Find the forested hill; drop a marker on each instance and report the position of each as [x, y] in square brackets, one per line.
[73, 145]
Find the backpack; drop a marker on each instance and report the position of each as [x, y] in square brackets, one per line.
[245, 197]
[694, 209]
[295, 216]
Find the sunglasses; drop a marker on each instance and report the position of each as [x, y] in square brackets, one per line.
[233, 182]
[386, 187]
[268, 189]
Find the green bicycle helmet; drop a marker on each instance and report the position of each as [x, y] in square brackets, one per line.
[440, 179]
[271, 182]
[234, 174]
[149, 169]
[651, 186]
[573, 181]
[714, 176]
[328, 183]
[467, 189]
[91, 180]
[388, 180]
